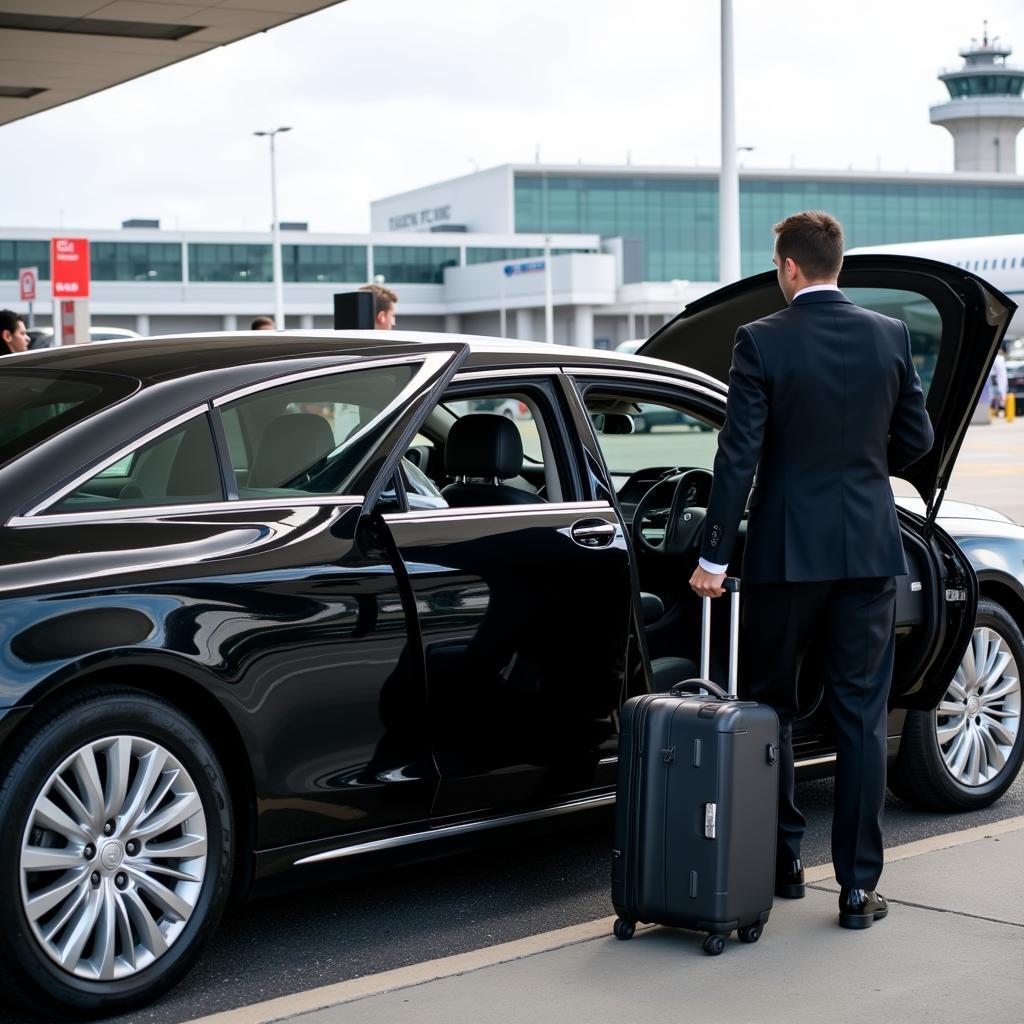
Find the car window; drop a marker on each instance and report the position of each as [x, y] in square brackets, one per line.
[513, 409]
[177, 468]
[35, 406]
[662, 435]
[919, 314]
[305, 437]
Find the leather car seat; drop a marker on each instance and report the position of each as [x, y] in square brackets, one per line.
[290, 444]
[481, 451]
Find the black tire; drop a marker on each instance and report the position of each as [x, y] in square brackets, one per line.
[26, 971]
[749, 933]
[624, 929]
[920, 775]
[714, 945]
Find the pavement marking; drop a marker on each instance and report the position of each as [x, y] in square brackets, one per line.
[490, 956]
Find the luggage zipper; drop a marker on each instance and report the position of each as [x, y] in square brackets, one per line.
[633, 839]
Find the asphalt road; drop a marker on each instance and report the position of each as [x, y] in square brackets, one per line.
[411, 914]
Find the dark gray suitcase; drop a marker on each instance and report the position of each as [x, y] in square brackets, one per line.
[697, 806]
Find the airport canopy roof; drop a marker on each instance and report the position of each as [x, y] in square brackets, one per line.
[55, 51]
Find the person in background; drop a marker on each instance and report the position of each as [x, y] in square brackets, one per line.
[12, 333]
[384, 300]
[262, 323]
[1000, 381]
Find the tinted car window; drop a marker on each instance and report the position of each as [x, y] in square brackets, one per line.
[305, 437]
[35, 405]
[177, 468]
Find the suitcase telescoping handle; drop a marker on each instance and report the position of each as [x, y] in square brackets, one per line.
[732, 585]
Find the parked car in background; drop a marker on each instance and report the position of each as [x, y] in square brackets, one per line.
[42, 337]
[272, 610]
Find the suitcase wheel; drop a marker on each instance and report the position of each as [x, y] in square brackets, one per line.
[624, 929]
[749, 933]
[714, 944]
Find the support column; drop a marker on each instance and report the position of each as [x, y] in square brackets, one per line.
[230, 321]
[583, 327]
[306, 322]
[142, 324]
[524, 324]
[452, 323]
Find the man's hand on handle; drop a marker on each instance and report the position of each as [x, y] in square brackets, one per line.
[707, 584]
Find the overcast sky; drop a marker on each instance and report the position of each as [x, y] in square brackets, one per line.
[388, 95]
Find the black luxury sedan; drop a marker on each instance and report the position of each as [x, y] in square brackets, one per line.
[277, 604]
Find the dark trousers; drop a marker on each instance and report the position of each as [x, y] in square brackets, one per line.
[856, 618]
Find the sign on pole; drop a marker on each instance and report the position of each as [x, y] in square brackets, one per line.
[28, 279]
[69, 268]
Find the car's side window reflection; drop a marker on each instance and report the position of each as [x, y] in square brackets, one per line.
[637, 433]
[177, 468]
[304, 437]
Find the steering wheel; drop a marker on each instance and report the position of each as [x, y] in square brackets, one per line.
[683, 517]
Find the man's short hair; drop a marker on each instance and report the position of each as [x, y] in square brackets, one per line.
[261, 323]
[9, 320]
[813, 240]
[383, 298]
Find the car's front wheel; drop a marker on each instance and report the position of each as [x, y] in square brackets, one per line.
[967, 752]
[115, 854]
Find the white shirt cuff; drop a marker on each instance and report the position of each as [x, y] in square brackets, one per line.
[712, 567]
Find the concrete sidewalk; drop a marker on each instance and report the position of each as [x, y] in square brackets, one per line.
[951, 950]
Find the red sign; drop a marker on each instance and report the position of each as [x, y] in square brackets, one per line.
[28, 277]
[69, 268]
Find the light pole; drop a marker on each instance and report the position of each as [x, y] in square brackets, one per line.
[728, 180]
[276, 229]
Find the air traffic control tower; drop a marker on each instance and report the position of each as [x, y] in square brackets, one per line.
[986, 109]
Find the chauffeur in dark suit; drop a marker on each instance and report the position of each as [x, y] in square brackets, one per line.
[825, 402]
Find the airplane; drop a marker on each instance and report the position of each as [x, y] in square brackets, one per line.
[998, 259]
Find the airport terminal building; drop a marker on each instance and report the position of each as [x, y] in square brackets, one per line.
[629, 247]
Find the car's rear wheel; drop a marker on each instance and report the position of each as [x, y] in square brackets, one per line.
[115, 856]
[967, 752]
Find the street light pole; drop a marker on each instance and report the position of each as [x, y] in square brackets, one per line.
[276, 232]
[728, 179]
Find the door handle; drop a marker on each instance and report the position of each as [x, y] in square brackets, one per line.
[593, 533]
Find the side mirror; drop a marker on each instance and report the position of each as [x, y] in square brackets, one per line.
[613, 423]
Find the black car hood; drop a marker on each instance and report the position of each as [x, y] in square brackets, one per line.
[974, 317]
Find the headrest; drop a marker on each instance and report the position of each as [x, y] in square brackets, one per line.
[290, 444]
[483, 444]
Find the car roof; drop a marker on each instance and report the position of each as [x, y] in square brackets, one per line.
[164, 358]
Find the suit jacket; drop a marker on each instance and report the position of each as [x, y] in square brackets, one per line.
[825, 402]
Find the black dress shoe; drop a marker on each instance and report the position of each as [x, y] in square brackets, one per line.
[789, 880]
[861, 908]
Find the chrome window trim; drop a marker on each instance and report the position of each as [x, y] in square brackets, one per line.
[526, 371]
[581, 373]
[497, 511]
[463, 828]
[193, 508]
[428, 360]
[97, 467]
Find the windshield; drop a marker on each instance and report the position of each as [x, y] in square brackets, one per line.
[36, 405]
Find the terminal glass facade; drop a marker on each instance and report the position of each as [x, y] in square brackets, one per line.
[413, 264]
[316, 263]
[208, 261]
[677, 218]
[135, 261]
[17, 254]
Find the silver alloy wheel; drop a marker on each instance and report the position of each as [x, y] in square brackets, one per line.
[113, 858]
[978, 719]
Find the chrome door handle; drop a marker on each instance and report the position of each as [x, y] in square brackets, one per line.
[593, 533]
